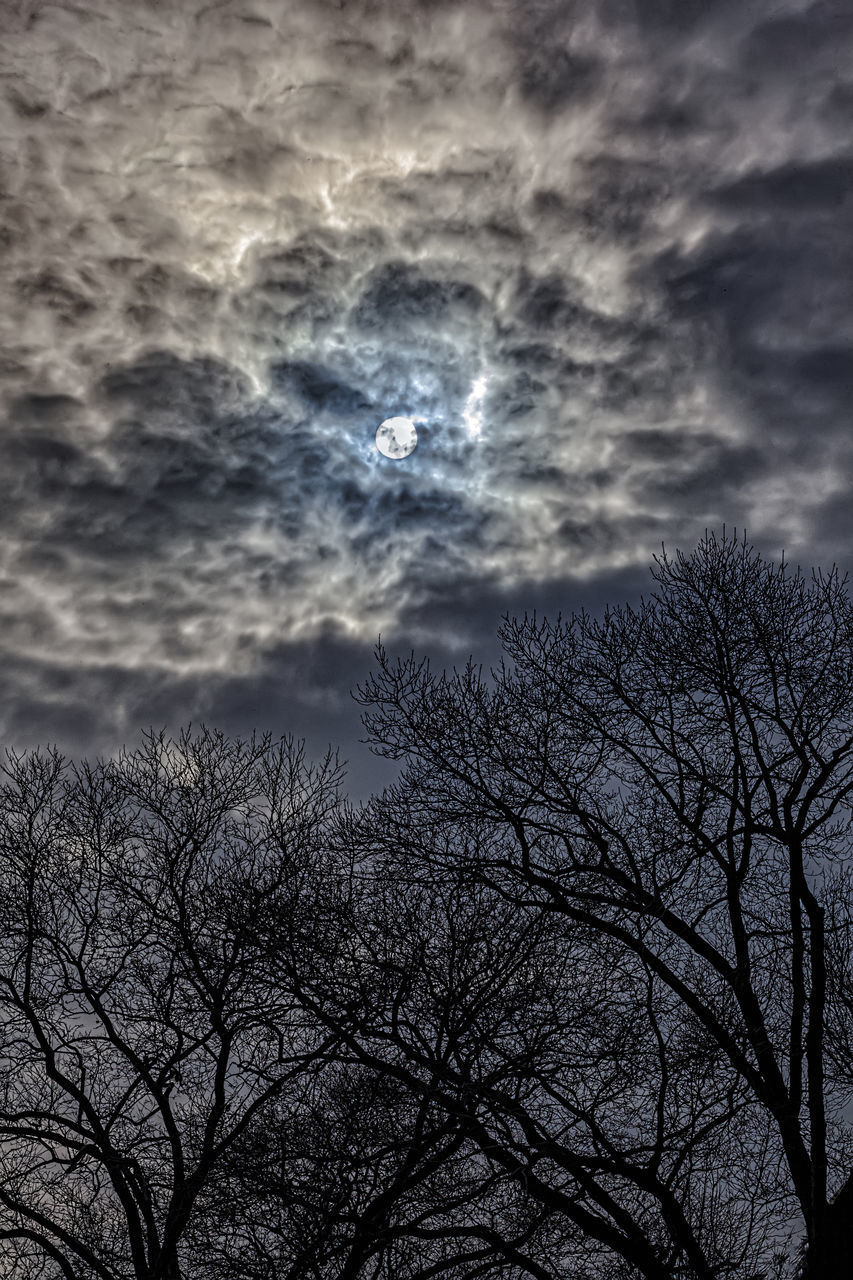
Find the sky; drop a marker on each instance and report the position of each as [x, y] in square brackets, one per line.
[601, 252]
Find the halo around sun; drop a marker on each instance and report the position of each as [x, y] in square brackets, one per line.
[396, 438]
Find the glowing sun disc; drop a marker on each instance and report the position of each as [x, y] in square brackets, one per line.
[396, 438]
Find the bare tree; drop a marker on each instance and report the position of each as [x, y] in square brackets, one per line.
[603, 1115]
[674, 782]
[378, 1173]
[367, 1178]
[139, 1036]
[574, 997]
[175, 926]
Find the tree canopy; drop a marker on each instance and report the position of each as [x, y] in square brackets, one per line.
[673, 783]
[572, 997]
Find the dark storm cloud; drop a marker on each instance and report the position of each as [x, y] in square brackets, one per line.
[552, 78]
[816, 187]
[600, 250]
[821, 33]
[657, 17]
[400, 294]
[173, 449]
[776, 291]
[317, 387]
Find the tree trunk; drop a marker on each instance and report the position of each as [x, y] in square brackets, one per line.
[167, 1267]
[831, 1257]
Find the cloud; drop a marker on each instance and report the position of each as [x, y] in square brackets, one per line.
[601, 251]
[815, 37]
[398, 294]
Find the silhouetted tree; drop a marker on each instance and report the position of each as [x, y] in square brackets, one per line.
[604, 1116]
[365, 1178]
[171, 1104]
[574, 997]
[673, 784]
[139, 1035]
[433, 985]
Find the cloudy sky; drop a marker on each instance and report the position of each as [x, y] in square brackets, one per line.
[600, 250]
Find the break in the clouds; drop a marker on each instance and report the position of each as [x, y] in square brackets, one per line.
[601, 254]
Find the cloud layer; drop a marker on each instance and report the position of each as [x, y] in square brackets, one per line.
[603, 252]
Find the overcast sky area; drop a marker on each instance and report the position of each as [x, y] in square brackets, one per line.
[601, 252]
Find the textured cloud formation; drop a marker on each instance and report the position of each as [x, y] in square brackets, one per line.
[601, 252]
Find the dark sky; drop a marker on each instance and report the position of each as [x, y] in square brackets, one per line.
[601, 251]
